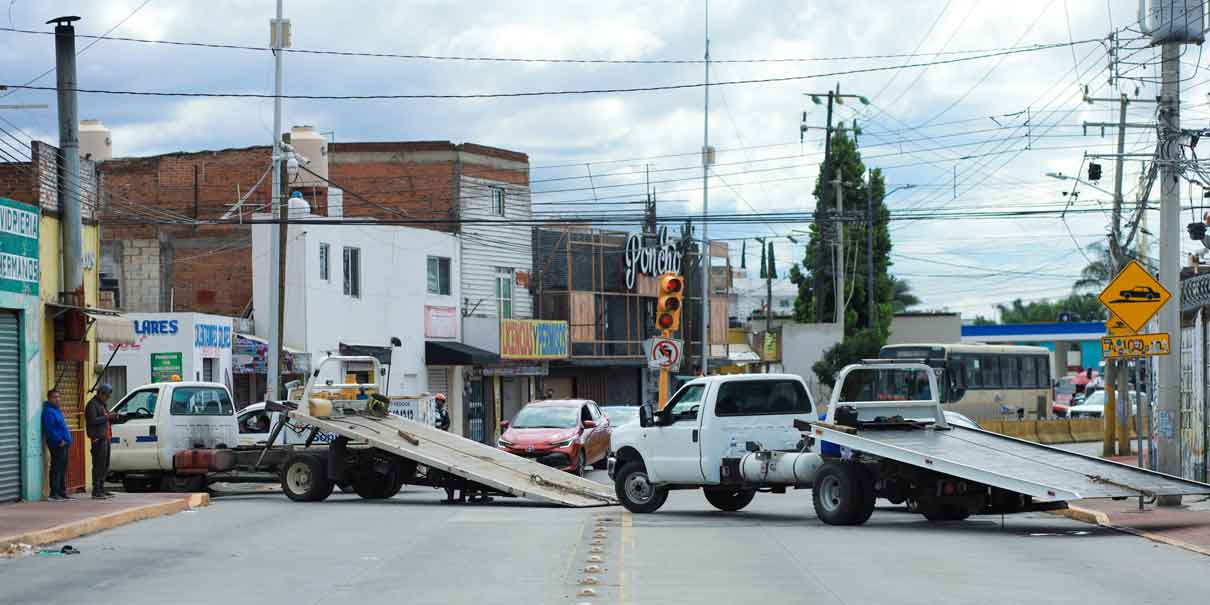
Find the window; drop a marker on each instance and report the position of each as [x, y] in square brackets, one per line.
[684, 405]
[755, 397]
[139, 403]
[991, 372]
[254, 422]
[439, 275]
[498, 201]
[1043, 364]
[324, 252]
[201, 401]
[208, 368]
[352, 266]
[1010, 372]
[1029, 373]
[973, 367]
[504, 293]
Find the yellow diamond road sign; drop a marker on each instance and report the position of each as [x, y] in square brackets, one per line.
[1134, 296]
[1116, 327]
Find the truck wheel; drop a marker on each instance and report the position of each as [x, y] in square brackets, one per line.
[374, 486]
[183, 483]
[937, 513]
[842, 494]
[729, 500]
[304, 478]
[635, 491]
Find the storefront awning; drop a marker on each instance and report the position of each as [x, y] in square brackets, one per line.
[113, 329]
[379, 352]
[449, 353]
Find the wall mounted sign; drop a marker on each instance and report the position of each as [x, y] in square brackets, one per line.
[663, 257]
[533, 339]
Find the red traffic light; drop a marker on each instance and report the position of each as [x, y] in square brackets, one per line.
[665, 321]
[671, 284]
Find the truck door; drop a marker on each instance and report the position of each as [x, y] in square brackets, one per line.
[135, 436]
[676, 453]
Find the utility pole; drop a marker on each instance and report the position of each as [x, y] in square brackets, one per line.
[707, 160]
[839, 251]
[277, 250]
[70, 189]
[833, 97]
[871, 310]
[1166, 447]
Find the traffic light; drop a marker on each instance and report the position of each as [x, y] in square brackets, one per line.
[1094, 171]
[668, 305]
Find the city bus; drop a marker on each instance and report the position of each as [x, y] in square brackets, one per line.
[995, 380]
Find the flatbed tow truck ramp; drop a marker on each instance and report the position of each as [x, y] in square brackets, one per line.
[472, 461]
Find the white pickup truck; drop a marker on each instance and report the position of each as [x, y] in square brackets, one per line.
[700, 440]
[159, 420]
[887, 436]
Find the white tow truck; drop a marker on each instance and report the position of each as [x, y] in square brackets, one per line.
[888, 437]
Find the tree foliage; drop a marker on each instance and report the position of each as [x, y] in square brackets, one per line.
[815, 277]
[864, 344]
[1076, 307]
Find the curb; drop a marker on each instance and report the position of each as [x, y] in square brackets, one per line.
[93, 525]
[1094, 517]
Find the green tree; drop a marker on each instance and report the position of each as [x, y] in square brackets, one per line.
[864, 344]
[1078, 307]
[1098, 272]
[815, 276]
[902, 297]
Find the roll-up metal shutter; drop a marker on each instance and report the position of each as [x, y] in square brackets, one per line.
[10, 407]
[439, 381]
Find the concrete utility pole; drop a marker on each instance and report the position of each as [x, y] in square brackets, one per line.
[280, 204]
[1166, 447]
[706, 161]
[869, 251]
[69, 175]
[839, 251]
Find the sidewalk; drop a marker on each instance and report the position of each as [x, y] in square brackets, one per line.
[1186, 526]
[37, 523]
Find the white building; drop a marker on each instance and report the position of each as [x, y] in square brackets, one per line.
[751, 296]
[191, 346]
[353, 288]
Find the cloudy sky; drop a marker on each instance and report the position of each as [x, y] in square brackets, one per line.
[976, 135]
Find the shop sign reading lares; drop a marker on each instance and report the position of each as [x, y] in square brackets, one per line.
[533, 339]
[663, 257]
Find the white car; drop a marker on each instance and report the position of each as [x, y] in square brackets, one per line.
[1093, 406]
[255, 424]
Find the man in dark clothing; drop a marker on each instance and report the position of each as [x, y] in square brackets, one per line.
[97, 419]
[443, 415]
[58, 439]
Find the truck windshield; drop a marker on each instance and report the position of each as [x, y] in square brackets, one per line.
[897, 384]
[547, 417]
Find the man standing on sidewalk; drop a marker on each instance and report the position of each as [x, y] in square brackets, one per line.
[58, 440]
[97, 419]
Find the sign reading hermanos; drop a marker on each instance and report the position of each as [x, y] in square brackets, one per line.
[663, 257]
[18, 247]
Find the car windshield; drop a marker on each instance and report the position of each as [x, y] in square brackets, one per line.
[621, 414]
[1097, 398]
[547, 417]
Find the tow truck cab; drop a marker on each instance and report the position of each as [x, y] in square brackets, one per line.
[704, 433]
[160, 419]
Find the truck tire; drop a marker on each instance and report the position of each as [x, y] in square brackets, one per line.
[375, 486]
[843, 494]
[139, 485]
[635, 491]
[172, 482]
[304, 478]
[729, 499]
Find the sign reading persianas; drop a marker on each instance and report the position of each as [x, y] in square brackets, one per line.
[533, 339]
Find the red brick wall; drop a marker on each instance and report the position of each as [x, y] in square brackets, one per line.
[16, 183]
[391, 190]
[215, 279]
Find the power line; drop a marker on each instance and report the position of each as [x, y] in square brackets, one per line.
[544, 93]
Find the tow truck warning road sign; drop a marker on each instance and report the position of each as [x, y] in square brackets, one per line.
[1134, 296]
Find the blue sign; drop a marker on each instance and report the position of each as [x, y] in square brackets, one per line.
[212, 336]
[150, 327]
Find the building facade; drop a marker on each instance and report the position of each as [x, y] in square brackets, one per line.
[188, 346]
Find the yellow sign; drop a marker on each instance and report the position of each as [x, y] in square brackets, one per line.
[1135, 345]
[1116, 327]
[1134, 296]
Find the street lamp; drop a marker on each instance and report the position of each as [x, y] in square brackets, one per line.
[1063, 177]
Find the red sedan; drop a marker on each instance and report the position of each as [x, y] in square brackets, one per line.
[568, 434]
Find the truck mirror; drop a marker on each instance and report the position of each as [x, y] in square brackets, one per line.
[661, 418]
[645, 415]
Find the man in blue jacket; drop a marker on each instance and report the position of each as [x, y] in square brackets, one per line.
[58, 439]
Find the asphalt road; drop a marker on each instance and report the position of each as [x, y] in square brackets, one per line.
[261, 548]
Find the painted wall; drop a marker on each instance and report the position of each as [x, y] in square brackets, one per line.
[50, 261]
[319, 316]
[195, 336]
[803, 345]
[910, 328]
